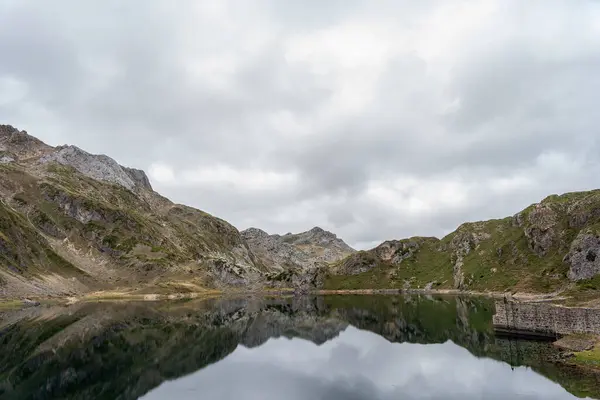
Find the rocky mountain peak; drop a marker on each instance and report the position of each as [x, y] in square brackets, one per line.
[99, 167]
[300, 250]
[253, 233]
[18, 144]
[7, 130]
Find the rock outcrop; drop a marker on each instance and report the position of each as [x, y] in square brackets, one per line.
[138, 177]
[19, 145]
[5, 159]
[391, 254]
[541, 230]
[98, 167]
[396, 251]
[299, 261]
[467, 238]
[584, 256]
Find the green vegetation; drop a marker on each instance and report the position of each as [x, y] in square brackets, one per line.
[423, 267]
[10, 304]
[589, 357]
[24, 251]
[524, 253]
[138, 233]
[589, 284]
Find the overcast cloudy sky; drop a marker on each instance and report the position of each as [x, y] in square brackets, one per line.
[373, 119]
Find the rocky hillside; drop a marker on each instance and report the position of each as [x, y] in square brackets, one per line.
[298, 260]
[552, 245]
[72, 222]
[300, 250]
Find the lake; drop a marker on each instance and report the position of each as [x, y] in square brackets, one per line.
[327, 347]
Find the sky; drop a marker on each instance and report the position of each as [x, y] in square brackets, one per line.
[358, 365]
[374, 119]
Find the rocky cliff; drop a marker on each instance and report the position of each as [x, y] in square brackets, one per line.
[72, 222]
[298, 260]
[551, 245]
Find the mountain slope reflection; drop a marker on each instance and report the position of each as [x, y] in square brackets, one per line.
[349, 345]
[358, 365]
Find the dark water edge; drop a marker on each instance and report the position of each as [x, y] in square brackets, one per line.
[124, 350]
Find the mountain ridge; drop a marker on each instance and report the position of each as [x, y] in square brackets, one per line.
[72, 222]
[549, 246]
[100, 225]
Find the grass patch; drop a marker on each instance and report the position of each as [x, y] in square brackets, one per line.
[589, 357]
[10, 304]
[589, 284]
[425, 266]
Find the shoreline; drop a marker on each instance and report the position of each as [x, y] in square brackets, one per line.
[124, 295]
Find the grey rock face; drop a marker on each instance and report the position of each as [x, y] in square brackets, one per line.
[139, 177]
[584, 211]
[541, 232]
[227, 272]
[467, 238]
[74, 207]
[309, 278]
[390, 252]
[357, 263]
[319, 244]
[6, 159]
[396, 251]
[584, 256]
[98, 167]
[300, 250]
[296, 260]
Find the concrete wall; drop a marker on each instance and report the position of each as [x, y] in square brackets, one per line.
[544, 319]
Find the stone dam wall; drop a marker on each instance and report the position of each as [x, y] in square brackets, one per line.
[544, 319]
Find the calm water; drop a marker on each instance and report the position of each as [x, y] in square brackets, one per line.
[337, 347]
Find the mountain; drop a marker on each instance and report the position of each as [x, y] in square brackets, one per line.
[300, 250]
[551, 245]
[73, 222]
[298, 260]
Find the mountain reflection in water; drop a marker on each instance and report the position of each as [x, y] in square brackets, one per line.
[333, 347]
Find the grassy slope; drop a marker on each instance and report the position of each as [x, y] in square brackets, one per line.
[24, 251]
[425, 266]
[502, 260]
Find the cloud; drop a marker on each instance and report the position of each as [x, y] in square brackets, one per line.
[378, 120]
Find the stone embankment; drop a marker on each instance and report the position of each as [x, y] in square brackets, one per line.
[541, 319]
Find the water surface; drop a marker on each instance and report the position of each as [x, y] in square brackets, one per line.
[335, 347]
